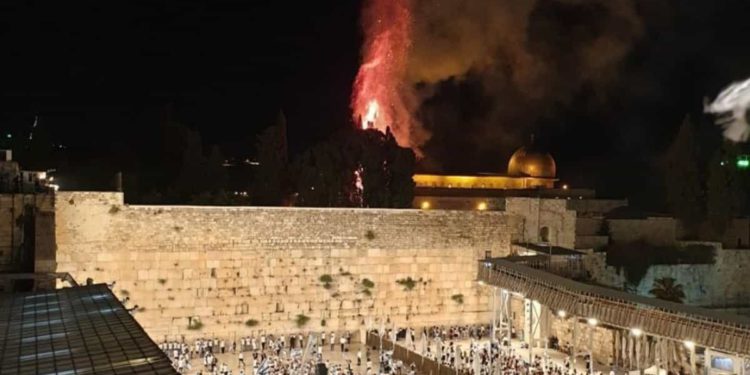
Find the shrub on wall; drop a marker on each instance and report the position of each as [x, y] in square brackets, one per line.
[367, 283]
[408, 283]
[251, 322]
[458, 298]
[302, 320]
[326, 280]
[194, 324]
[370, 235]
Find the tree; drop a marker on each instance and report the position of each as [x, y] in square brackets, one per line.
[329, 174]
[685, 196]
[270, 182]
[726, 188]
[667, 289]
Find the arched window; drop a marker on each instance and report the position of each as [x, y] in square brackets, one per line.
[544, 234]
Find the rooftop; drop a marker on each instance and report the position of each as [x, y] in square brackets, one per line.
[74, 330]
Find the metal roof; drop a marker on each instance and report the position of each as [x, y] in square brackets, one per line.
[75, 330]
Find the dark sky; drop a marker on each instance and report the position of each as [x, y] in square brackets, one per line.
[101, 72]
[98, 70]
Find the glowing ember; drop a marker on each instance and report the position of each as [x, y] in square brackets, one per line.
[378, 99]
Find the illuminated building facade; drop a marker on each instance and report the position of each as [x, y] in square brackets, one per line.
[532, 172]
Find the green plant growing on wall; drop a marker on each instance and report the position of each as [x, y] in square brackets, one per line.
[408, 283]
[251, 323]
[162, 281]
[195, 324]
[367, 292]
[323, 323]
[114, 209]
[458, 298]
[367, 283]
[301, 320]
[326, 280]
[124, 292]
[370, 235]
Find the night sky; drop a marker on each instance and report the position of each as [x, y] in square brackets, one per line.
[100, 73]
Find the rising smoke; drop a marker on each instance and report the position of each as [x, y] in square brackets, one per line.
[482, 73]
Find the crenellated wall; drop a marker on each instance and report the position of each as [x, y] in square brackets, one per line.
[225, 265]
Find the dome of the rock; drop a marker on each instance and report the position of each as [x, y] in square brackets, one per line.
[532, 162]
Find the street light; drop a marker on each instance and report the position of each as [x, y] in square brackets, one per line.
[562, 314]
[593, 322]
[689, 344]
[637, 332]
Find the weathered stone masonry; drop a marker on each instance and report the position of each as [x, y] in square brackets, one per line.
[226, 265]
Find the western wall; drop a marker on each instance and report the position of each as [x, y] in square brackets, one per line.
[211, 270]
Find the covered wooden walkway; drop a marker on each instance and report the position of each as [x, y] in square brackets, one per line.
[706, 328]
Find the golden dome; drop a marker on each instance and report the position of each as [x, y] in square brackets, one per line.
[527, 162]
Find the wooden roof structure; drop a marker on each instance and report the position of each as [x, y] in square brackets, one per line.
[706, 328]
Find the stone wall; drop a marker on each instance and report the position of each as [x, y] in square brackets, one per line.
[595, 207]
[16, 223]
[722, 284]
[654, 230]
[224, 266]
[539, 213]
[459, 203]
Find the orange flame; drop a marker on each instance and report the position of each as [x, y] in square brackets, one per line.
[377, 97]
[371, 115]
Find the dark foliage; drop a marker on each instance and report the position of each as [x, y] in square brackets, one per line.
[636, 257]
[328, 174]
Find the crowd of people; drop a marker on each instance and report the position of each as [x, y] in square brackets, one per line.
[259, 354]
[491, 358]
[469, 350]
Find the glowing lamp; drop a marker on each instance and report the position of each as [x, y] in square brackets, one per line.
[565, 187]
[689, 344]
[637, 332]
[482, 206]
[743, 162]
[562, 314]
[593, 322]
[425, 205]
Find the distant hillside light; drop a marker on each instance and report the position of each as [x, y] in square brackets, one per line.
[743, 162]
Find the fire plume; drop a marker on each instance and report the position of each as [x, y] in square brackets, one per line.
[380, 98]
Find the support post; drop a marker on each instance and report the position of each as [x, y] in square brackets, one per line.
[574, 352]
[591, 350]
[693, 369]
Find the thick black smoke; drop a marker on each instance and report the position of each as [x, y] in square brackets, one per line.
[489, 71]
